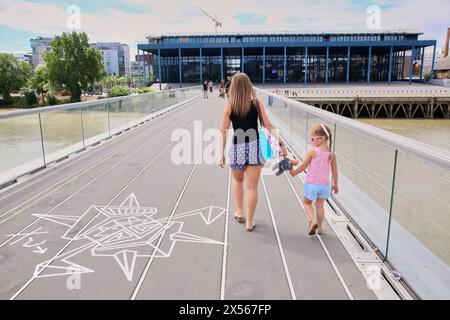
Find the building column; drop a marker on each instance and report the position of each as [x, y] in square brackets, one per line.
[411, 67]
[403, 65]
[348, 64]
[395, 64]
[390, 65]
[306, 65]
[201, 66]
[264, 64]
[285, 66]
[159, 68]
[421, 64]
[221, 64]
[369, 65]
[243, 60]
[434, 58]
[180, 67]
[143, 66]
[139, 63]
[149, 66]
[326, 64]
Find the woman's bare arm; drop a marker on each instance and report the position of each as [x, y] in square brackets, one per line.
[224, 130]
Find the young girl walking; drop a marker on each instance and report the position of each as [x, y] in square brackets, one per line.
[318, 162]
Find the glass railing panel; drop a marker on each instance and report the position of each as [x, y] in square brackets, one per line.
[149, 104]
[62, 132]
[118, 116]
[279, 114]
[419, 238]
[365, 169]
[65, 128]
[135, 108]
[95, 123]
[20, 146]
[300, 131]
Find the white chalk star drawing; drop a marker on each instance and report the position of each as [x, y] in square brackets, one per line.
[127, 232]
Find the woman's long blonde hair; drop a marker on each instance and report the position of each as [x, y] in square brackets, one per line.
[242, 94]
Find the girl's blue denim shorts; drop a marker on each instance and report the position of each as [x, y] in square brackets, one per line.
[314, 191]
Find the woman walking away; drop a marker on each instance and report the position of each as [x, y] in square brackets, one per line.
[210, 85]
[222, 89]
[205, 90]
[243, 110]
[227, 88]
[317, 188]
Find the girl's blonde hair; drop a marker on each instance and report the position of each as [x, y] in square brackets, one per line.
[242, 94]
[318, 130]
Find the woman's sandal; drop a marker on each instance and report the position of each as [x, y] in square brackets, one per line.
[251, 228]
[238, 217]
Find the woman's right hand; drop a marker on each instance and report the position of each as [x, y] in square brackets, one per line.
[222, 161]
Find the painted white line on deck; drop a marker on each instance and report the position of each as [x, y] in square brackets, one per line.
[161, 237]
[225, 241]
[87, 225]
[327, 253]
[280, 246]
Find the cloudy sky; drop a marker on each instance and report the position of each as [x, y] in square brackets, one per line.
[130, 21]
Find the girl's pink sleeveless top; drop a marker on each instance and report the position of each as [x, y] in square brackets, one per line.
[319, 168]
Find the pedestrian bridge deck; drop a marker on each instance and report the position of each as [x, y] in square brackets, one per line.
[121, 221]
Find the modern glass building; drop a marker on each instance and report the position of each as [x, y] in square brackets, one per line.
[286, 57]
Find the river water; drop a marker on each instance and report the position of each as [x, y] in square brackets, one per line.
[433, 132]
[421, 203]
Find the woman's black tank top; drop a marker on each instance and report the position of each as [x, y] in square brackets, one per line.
[246, 127]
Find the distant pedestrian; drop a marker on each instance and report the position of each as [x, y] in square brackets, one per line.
[205, 90]
[227, 88]
[210, 85]
[222, 89]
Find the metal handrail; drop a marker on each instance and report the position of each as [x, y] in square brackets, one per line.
[16, 113]
[416, 149]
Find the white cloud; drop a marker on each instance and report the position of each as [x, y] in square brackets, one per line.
[180, 16]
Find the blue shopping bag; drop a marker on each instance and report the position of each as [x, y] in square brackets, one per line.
[264, 144]
[269, 146]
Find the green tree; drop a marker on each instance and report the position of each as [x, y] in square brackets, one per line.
[13, 75]
[73, 64]
[40, 81]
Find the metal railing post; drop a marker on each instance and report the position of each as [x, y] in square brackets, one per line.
[391, 205]
[42, 139]
[109, 120]
[82, 126]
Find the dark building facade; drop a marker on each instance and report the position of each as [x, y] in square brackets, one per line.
[286, 57]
